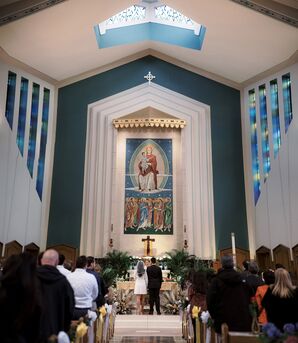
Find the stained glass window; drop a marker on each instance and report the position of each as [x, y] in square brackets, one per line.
[287, 97]
[254, 144]
[264, 131]
[275, 116]
[10, 97]
[33, 128]
[22, 114]
[43, 142]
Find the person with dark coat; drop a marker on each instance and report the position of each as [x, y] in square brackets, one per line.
[228, 299]
[154, 274]
[253, 279]
[100, 283]
[57, 297]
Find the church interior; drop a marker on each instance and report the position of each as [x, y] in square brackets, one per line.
[173, 119]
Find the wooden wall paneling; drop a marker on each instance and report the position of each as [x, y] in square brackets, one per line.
[281, 255]
[264, 258]
[70, 253]
[241, 255]
[12, 248]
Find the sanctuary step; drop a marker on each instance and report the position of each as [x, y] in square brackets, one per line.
[151, 339]
[147, 329]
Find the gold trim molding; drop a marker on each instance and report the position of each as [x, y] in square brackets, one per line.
[149, 122]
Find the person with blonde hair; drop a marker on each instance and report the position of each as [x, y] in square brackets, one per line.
[141, 283]
[281, 300]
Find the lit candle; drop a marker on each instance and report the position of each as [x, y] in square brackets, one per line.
[233, 243]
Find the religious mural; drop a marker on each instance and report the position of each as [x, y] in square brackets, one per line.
[148, 187]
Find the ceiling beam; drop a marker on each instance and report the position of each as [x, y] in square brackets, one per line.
[279, 10]
[19, 9]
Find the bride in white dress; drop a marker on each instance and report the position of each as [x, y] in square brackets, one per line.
[141, 283]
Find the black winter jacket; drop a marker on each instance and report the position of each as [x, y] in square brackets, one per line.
[228, 300]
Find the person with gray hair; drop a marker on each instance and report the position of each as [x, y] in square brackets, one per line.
[141, 283]
[228, 299]
[253, 279]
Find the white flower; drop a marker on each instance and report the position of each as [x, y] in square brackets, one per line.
[92, 316]
[63, 337]
[205, 317]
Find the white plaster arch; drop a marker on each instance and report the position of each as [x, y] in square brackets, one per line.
[100, 156]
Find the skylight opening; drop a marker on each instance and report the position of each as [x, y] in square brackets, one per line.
[155, 22]
[131, 14]
[167, 13]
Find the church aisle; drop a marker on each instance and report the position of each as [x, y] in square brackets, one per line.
[147, 329]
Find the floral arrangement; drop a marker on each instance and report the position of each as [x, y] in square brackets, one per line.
[123, 299]
[172, 302]
[271, 334]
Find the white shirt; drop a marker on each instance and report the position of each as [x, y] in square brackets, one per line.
[63, 270]
[84, 286]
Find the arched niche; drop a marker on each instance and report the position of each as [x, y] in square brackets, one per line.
[263, 255]
[32, 249]
[281, 255]
[241, 254]
[295, 258]
[103, 209]
[71, 253]
[12, 248]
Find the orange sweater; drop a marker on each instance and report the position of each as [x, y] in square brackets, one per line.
[260, 293]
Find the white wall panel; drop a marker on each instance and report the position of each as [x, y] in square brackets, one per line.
[276, 212]
[23, 216]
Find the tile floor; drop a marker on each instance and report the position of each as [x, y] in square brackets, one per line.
[147, 329]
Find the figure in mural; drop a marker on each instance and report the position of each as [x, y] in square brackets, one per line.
[143, 214]
[148, 170]
[158, 214]
[136, 212]
[129, 212]
[168, 214]
[144, 162]
[150, 212]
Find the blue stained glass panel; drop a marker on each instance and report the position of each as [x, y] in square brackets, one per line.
[10, 97]
[33, 127]
[22, 114]
[264, 131]
[275, 116]
[287, 97]
[254, 144]
[43, 142]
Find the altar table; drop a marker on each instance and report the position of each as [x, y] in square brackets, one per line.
[165, 286]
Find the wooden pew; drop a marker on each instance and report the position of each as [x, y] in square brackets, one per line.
[237, 337]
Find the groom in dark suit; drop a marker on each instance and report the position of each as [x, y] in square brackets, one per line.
[154, 283]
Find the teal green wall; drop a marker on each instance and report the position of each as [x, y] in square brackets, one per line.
[68, 173]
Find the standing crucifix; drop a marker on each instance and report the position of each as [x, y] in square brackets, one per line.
[147, 245]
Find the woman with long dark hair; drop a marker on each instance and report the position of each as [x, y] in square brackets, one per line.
[141, 283]
[19, 300]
